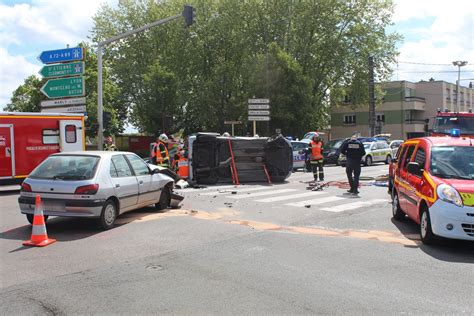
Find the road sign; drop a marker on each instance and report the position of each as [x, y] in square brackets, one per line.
[232, 122]
[259, 112]
[259, 106]
[62, 102]
[259, 118]
[64, 87]
[62, 55]
[65, 109]
[63, 70]
[259, 101]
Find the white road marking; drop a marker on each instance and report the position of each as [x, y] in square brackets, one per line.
[239, 190]
[316, 201]
[230, 186]
[352, 206]
[269, 192]
[291, 197]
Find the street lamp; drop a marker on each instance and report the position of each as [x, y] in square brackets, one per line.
[459, 64]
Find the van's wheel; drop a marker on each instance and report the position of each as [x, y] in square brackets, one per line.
[108, 215]
[165, 199]
[426, 233]
[30, 217]
[397, 212]
[368, 161]
[388, 159]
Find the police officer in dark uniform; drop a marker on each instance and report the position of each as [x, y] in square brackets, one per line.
[354, 150]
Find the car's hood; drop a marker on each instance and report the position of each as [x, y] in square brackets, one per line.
[461, 185]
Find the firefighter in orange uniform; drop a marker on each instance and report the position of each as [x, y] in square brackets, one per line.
[316, 157]
[159, 154]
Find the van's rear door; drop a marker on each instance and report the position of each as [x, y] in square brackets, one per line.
[71, 135]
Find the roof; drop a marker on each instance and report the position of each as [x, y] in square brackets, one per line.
[447, 141]
[93, 153]
[39, 114]
[463, 114]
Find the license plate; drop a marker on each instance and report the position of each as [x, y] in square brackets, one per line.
[53, 206]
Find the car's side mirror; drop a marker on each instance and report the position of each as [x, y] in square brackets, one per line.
[155, 171]
[415, 169]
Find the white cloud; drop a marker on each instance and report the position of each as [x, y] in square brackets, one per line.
[437, 32]
[13, 71]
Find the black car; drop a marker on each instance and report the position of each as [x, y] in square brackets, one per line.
[331, 151]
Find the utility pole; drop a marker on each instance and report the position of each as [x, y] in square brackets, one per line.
[459, 64]
[371, 97]
[188, 14]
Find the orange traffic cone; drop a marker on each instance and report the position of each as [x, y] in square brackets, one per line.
[39, 237]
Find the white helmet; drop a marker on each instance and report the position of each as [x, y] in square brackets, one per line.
[163, 138]
[226, 134]
[316, 135]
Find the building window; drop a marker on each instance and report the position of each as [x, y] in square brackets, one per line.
[349, 119]
[448, 94]
[380, 117]
[409, 92]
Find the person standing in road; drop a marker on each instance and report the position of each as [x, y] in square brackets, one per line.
[160, 155]
[316, 157]
[109, 144]
[354, 150]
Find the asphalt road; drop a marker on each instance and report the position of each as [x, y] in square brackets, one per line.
[252, 249]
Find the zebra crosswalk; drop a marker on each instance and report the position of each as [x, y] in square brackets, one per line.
[326, 201]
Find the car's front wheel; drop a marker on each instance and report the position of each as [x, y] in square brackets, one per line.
[108, 215]
[165, 198]
[397, 212]
[30, 217]
[426, 233]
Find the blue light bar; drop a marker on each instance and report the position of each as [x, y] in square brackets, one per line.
[455, 132]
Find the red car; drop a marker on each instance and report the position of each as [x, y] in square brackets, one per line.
[433, 184]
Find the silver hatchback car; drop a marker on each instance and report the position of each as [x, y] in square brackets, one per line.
[92, 184]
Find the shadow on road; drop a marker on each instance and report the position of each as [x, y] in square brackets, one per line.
[448, 250]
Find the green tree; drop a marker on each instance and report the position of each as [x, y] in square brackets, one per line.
[27, 97]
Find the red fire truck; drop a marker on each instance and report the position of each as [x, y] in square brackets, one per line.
[445, 122]
[26, 139]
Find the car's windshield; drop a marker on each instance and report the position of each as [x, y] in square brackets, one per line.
[73, 167]
[456, 162]
[367, 145]
[334, 144]
[444, 125]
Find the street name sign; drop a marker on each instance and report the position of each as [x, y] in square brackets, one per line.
[259, 118]
[259, 101]
[65, 109]
[261, 112]
[62, 55]
[259, 106]
[232, 122]
[63, 102]
[64, 87]
[63, 70]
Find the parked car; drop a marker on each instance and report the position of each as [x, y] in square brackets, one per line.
[332, 150]
[434, 186]
[309, 136]
[394, 145]
[299, 155]
[97, 184]
[377, 151]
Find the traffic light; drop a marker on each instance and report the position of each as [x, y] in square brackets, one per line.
[189, 14]
[106, 119]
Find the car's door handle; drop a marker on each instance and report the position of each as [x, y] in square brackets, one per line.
[117, 185]
[140, 182]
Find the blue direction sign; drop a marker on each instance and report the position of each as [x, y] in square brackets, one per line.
[61, 55]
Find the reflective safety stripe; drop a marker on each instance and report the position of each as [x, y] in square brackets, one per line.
[38, 230]
[182, 163]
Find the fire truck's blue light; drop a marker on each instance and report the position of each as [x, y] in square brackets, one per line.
[455, 132]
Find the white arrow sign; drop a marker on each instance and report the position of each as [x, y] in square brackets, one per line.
[259, 112]
[259, 106]
[259, 118]
[259, 101]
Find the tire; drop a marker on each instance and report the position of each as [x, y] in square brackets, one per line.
[397, 212]
[165, 199]
[368, 161]
[388, 159]
[426, 233]
[29, 217]
[108, 215]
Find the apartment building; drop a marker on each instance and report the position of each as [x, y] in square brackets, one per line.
[404, 110]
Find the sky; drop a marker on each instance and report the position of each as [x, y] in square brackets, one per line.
[435, 33]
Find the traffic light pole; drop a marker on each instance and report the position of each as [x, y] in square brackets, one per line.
[100, 45]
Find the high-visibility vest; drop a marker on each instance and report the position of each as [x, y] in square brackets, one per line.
[159, 157]
[183, 167]
[316, 149]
